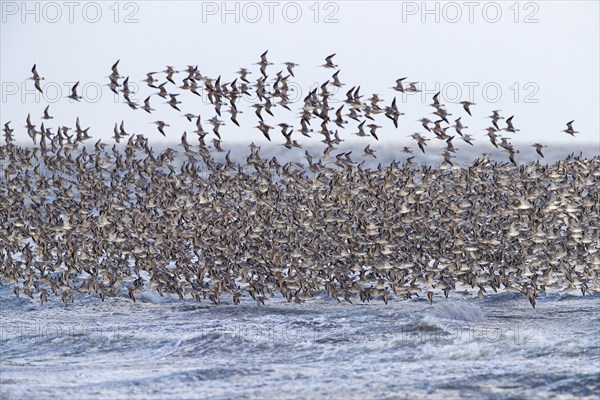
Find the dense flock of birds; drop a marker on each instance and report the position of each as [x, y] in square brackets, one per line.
[111, 220]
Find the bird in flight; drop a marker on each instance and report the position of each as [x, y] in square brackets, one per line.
[466, 105]
[570, 129]
[329, 62]
[36, 78]
[538, 148]
[74, 95]
[161, 125]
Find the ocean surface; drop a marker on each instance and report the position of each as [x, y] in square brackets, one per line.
[161, 347]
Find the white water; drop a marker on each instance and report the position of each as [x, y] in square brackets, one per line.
[498, 347]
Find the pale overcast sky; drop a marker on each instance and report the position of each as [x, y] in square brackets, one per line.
[537, 60]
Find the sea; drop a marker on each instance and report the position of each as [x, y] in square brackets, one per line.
[495, 347]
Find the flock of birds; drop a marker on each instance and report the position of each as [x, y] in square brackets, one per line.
[265, 95]
[116, 220]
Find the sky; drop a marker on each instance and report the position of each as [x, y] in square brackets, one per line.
[536, 60]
